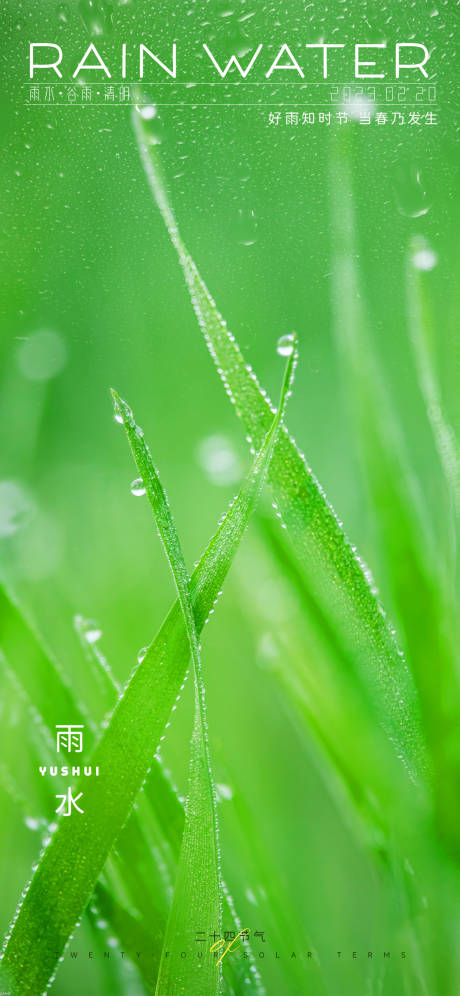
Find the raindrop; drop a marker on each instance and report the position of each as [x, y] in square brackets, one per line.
[137, 487]
[246, 227]
[117, 412]
[148, 112]
[236, 40]
[90, 630]
[285, 345]
[141, 654]
[96, 16]
[224, 10]
[152, 126]
[31, 823]
[411, 196]
[63, 13]
[223, 792]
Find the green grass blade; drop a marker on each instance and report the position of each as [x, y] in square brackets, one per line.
[412, 563]
[138, 874]
[197, 891]
[130, 931]
[168, 813]
[37, 671]
[323, 693]
[72, 861]
[342, 582]
[197, 895]
[423, 340]
[135, 935]
[135, 864]
[164, 803]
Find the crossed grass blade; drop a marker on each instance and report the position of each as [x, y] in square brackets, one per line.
[72, 861]
[342, 583]
[197, 892]
[134, 861]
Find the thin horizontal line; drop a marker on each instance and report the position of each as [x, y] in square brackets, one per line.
[241, 82]
[101, 103]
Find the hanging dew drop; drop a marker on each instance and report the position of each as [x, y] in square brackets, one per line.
[285, 345]
[141, 654]
[32, 823]
[223, 792]
[148, 112]
[137, 487]
[117, 412]
[90, 630]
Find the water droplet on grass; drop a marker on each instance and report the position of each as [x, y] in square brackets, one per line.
[32, 823]
[285, 345]
[148, 112]
[117, 412]
[152, 126]
[90, 630]
[137, 487]
[223, 792]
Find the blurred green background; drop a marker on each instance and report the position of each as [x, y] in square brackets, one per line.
[92, 297]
